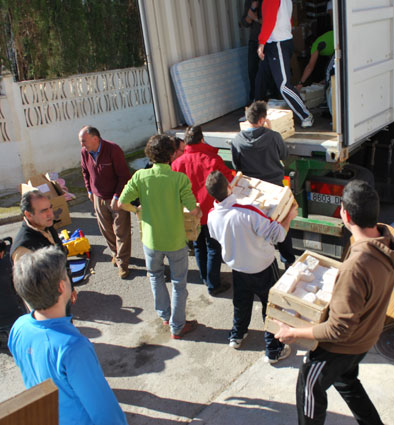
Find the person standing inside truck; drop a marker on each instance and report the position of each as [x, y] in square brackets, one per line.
[258, 152]
[275, 51]
[198, 160]
[163, 193]
[105, 172]
[247, 237]
[46, 345]
[251, 18]
[356, 315]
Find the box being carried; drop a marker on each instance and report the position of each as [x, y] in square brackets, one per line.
[192, 224]
[273, 200]
[302, 295]
[54, 193]
[282, 121]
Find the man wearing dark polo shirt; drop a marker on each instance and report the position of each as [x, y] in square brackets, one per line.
[105, 172]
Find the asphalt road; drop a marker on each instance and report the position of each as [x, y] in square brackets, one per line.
[199, 379]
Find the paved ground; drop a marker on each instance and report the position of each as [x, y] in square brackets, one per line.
[198, 380]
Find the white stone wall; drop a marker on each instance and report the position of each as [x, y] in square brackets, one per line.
[40, 120]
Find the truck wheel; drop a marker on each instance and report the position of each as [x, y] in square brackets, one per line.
[357, 172]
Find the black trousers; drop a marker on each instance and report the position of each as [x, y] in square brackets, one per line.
[245, 287]
[276, 65]
[323, 369]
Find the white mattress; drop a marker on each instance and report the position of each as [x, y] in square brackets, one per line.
[210, 86]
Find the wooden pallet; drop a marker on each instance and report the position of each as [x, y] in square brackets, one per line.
[273, 200]
[192, 224]
[294, 311]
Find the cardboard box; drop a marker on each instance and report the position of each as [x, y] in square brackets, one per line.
[295, 311]
[54, 193]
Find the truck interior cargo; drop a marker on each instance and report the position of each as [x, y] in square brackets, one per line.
[197, 57]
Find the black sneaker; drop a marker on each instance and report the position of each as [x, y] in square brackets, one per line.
[222, 288]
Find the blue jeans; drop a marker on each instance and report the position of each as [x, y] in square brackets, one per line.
[208, 253]
[178, 261]
[246, 286]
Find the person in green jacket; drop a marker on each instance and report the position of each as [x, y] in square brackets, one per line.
[163, 193]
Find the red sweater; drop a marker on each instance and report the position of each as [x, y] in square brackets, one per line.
[106, 177]
[197, 162]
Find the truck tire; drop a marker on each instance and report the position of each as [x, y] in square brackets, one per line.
[350, 172]
[359, 173]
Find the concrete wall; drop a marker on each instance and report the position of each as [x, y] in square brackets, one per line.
[40, 120]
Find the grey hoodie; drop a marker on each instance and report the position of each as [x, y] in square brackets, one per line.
[361, 296]
[257, 152]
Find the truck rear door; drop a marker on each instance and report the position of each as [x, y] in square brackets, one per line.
[368, 67]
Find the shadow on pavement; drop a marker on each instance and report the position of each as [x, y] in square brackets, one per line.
[94, 307]
[250, 411]
[117, 361]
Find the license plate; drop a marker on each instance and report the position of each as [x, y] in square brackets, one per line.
[324, 198]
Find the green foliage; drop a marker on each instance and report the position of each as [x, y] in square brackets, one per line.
[56, 38]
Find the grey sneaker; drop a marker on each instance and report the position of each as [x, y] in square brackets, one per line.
[286, 351]
[308, 121]
[236, 343]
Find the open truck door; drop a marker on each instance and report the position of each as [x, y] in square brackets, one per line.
[367, 32]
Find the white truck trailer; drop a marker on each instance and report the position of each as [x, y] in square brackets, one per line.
[363, 102]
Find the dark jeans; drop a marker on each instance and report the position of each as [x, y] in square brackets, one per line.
[246, 286]
[208, 255]
[324, 369]
[253, 66]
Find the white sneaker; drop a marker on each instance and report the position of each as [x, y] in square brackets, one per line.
[286, 351]
[236, 343]
[308, 121]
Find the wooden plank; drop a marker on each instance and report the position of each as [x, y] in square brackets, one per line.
[333, 104]
[311, 311]
[271, 326]
[35, 406]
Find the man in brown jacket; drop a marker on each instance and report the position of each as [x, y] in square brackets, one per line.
[356, 317]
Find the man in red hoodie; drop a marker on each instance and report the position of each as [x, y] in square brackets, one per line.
[275, 51]
[197, 162]
[105, 173]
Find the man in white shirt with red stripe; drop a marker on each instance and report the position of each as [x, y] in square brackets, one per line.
[247, 238]
[275, 51]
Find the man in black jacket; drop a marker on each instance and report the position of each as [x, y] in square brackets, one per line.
[37, 229]
[258, 152]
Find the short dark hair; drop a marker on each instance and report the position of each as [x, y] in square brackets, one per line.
[256, 111]
[216, 185]
[160, 148]
[37, 276]
[193, 135]
[177, 142]
[27, 198]
[92, 131]
[361, 201]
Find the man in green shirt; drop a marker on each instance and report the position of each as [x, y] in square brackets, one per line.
[163, 193]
